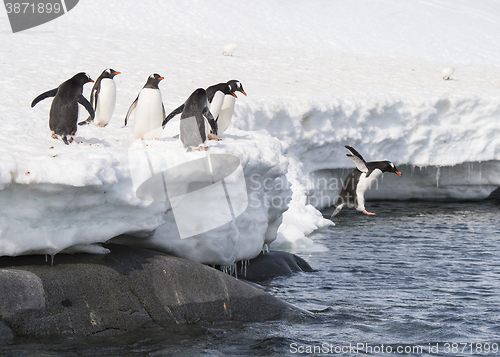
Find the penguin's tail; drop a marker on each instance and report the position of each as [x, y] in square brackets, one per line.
[337, 210]
[65, 139]
[86, 122]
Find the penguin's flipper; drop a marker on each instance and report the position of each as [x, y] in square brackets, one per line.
[337, 210]
[131, 109]
[83, 101]
[85, 122]
[173, 114]
[357, 158]
[50, 93]
[213, 124]
[94, 94]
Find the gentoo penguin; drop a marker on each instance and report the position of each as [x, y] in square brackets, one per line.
[225, 113]
[103, 98]
[216, 96]
[192, 124]
[360, 179]
[63, 116]
[149, 111]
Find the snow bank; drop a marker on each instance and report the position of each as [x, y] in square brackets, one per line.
[318, 74]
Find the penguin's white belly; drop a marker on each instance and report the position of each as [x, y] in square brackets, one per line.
[148, 115]
[225, 115]
[216, 104]
[190, 133]
[364, 184]
[106, 101]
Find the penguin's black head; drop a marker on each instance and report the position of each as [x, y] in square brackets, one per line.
[109, 73]
[387, 166]
[153, 81]
[81, 78]
[236, 86]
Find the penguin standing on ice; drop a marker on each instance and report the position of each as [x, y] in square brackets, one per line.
[149, 112]
[63, 116]
[222, 103]
[221, 99]
[103, 98]
[360, 180]
[192, 124]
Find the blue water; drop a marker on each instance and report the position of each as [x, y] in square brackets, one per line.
[420, 277]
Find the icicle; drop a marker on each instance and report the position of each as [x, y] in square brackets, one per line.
[46, 258]
[438, 172]
[468, 179]
[480, 174]
[265, 248]
[52, 259]
[243, 268]
[412, 169]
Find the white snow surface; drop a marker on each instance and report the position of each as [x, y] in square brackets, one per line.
[319, 75]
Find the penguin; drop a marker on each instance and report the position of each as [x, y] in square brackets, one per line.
[226, 111]
[103, 98]
[360, 180]
[192, 123]
[63, 116]
[218, 91]
[216, 96]
[149, 112]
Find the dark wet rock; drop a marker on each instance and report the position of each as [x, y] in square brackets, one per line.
[6, 333]
[495, 195]
[86, 294]
[272, 265]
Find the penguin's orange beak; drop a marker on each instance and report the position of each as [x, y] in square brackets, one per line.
[234, 95]
[92, 80]
[398, 173]
[118, 72]
[161, 78]
[244, 93]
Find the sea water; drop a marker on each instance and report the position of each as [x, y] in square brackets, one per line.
[417, 279]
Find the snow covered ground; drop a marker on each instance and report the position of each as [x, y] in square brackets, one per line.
[319, 75]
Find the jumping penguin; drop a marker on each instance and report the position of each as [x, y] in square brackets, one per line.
[192, 123]
[63, 116]
[149, 112]
[103, 98]
[360, 180]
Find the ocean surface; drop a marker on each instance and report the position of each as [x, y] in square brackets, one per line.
[417, 279]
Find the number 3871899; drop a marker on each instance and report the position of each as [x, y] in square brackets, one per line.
[32, 8]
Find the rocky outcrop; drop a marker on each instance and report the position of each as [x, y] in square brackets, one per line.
[85, 294]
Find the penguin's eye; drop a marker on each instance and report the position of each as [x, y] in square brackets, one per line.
[108, 70]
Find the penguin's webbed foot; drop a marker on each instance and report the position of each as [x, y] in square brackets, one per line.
[54, 136]
[210, 137]
[368, 213]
